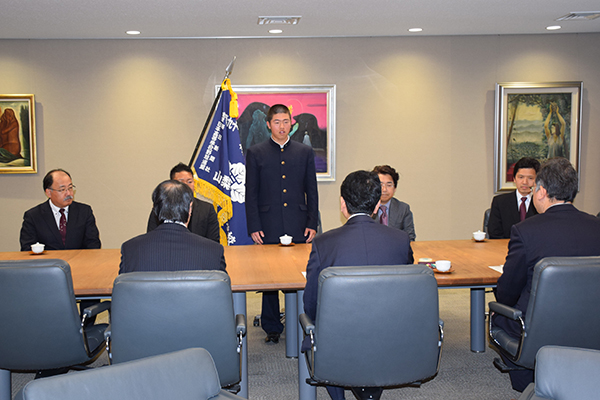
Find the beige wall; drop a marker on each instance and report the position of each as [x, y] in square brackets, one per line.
[117, 114]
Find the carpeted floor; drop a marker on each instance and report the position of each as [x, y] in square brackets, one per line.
[463, 374]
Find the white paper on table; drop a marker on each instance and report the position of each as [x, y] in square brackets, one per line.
[497, 267]
[304, 274]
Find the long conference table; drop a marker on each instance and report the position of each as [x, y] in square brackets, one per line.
[274, 267]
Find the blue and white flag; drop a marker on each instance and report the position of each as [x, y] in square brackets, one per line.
[220, 170]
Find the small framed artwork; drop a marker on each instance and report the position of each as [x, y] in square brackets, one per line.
[313, 118]
[538, 120]
[17, 134]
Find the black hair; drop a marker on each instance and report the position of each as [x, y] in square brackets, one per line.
[181, 167]
[277, 109]
[361, 190]
[387, 170]
[526, 162]
[171, 201]
[49, 179]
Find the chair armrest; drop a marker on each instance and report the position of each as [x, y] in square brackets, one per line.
[240, 324]
[96, 309]
[307, 325]
[107, 332]
[508, 312]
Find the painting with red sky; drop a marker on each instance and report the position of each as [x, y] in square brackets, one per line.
[311, 125]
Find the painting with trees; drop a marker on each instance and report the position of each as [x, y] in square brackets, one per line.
[539, 120]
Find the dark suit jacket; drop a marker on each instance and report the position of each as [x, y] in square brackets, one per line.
[505, 214]
[39, 225]
[400, 217]
[361, 241]
[281, 190]
[203, 221]
[171, 247]
[562, 231]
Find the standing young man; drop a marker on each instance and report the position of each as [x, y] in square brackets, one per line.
[281, 198]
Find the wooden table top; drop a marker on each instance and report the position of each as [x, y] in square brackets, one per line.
[274, 267]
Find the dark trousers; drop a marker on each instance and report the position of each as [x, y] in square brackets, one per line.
[269, 319]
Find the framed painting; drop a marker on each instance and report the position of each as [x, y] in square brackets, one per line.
[313, 118]
[539, 120]
[17, 134]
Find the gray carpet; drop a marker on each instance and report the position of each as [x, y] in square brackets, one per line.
[463, 375]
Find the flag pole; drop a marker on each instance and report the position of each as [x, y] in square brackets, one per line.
[228, 71]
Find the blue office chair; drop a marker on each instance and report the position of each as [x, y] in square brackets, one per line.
[183, 375]
[562, 310]
[565, 373]
[160, 312]
[40, 329]
[395, 307]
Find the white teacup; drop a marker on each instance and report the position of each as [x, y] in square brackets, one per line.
[37, 248]
[285, 240]
[479, 236]
[443, 265]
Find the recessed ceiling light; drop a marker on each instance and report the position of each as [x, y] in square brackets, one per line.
[275, 31]
[279, 20]
[553, 27]
[133, 32]
[415, 29]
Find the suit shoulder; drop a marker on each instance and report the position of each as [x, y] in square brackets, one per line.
[504, 197]
[81, 206]
[38, 208]
[202, 205]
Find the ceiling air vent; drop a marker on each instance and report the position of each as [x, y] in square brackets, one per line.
[278, 20]
[580, 16]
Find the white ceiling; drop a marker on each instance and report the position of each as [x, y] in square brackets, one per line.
[88, 19]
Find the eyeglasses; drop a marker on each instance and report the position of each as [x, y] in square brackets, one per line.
[70, 188]
[388, 185]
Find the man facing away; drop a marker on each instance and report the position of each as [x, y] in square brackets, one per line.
[203, 221]
[511, 208]
[171, 246]
[281, 198]
[560, 230]
[393, 212]
[361, 241]
[60, 223]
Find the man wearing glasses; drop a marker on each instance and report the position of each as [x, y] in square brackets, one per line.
[60, 223]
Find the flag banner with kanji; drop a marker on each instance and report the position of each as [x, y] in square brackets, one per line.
[220, 170]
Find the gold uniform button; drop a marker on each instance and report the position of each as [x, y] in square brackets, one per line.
[283, 176]
[282, 150]
[283, 163]
[284, 190]
[285, 204]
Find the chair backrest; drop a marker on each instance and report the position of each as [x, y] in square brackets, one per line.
[486, 220]
[376, 325]
[39, 321]
[160, 312]
[565, 373]
[563, 306]
[184, 375]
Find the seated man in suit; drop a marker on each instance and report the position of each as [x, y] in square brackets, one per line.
[60, 223]
[361, 241]
[203, 221]
[393, 212]
[171, 246]
[511, 208]
[560, 230]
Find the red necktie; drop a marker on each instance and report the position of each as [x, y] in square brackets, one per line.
[383, 218]
[522, 208]
[62, 225]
